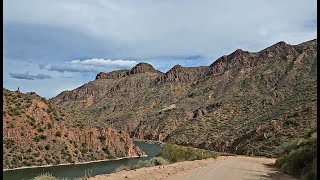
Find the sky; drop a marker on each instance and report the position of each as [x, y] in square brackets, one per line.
[51, 46]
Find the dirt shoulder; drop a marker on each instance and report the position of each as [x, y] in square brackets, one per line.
[224, 167]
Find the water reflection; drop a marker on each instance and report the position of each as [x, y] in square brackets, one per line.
[74, 171]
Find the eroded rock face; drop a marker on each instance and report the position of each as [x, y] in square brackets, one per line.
[35, 133]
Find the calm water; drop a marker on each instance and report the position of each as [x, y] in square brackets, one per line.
[74, 171]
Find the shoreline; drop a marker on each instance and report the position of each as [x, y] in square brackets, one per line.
[160, 143]
[78, 163]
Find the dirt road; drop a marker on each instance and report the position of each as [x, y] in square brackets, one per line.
[224, 168]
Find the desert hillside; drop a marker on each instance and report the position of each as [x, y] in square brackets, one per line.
[246, 102]
[35, 134]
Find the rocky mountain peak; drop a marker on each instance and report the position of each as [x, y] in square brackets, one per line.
[236, 59]
[112, 74]
[176, 74]
[177, 68]
[142, 68]
[281, 44]
[239, 53]
[278, 50]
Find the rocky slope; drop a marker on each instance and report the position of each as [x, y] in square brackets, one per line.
[246, 102]
[34, 133]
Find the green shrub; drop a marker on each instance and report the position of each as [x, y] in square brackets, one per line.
[40, 147]
[83, 150]
[123, 168]
[151, 162]
[8, 142]
[299, 158]
[36, 138]
[16, 112]
[49, 125]
[293, 122]
[57, 118]
[45, 176]
[175, 153]
[58, 134]
[102, 139]
[47, 147]
[11, 124]
[49, 110]
[40, 129]
[43, 137]
[106, 149]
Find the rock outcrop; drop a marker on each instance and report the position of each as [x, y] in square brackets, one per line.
[175, 74]
[142, 68]
[112, 75]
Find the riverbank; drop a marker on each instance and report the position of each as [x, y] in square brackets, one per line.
[66, 164]
[223, 167]
[160, 143]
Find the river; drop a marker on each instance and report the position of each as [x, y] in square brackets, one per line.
[79, 170]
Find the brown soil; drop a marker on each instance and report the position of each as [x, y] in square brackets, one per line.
[224, 167]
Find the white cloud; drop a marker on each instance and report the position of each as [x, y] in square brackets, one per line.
[90, 65]
[104, 62]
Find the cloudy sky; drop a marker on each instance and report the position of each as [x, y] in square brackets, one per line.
[52, 45]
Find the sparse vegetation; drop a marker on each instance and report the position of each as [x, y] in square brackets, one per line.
[175, 153]
[49, 125]
[123, 168]
[40, 129]
[146, 163]
[299, 158]
[36, 138]
[106, 149]
[47, 147]
[151, 162]
[11, 124]
[44, 176]
[58, 134]
[102, 139]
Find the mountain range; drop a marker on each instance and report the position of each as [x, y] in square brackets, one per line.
[246, 103]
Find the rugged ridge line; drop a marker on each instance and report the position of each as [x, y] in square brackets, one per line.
[231, 105]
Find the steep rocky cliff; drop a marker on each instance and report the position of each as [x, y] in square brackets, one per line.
[35, 133]
[245, 102]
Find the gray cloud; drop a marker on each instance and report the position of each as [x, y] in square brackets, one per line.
[90, 65]
[162, 33]
[154, 28]
[28, 76]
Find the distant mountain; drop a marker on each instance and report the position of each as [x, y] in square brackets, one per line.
[246, 102]
[35, 134]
